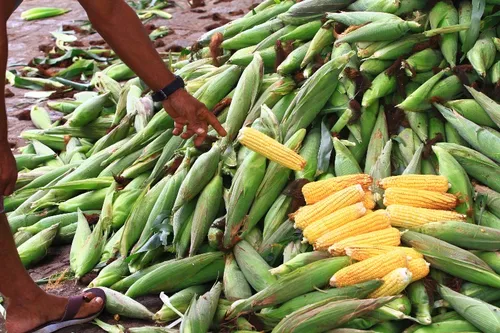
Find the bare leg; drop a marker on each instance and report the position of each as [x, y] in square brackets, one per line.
[27, 305]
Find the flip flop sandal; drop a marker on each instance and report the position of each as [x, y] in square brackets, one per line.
[74, 305]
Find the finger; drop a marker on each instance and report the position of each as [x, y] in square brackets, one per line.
[214, 122]
[189, 133]
[179, 128]
[201, 135]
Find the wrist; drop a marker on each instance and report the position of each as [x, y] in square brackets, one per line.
[169, 90]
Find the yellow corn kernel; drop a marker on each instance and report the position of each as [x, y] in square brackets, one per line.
[394, 283]
[312, 213]
[419, 198]
[378, 220]
[369, 269]
[417, 182]
[368, 200]
[419, 268]
[333, 221]
[388, 236]
[363, 252]
[412, 217]
[271, 149]
[317, 191]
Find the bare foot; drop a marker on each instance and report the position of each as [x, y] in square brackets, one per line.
[34, 311]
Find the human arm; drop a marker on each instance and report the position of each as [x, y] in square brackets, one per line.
[119, 25]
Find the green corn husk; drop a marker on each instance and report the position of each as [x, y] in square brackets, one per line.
[480, 139]
[397, 48]
[21, 237]
[88, 111]
[379, 137]
[449, 326]
[64, 106]
[423, 61]
[253, 266]
[482, 54]
[66, 234]
[292, 62]
[419, 298]
[254, 238]
[138, 218]
[244, 57]
[201, 311]
[243, 189]
[235, 285]
[325, 315]
[40, 117]
[123, 204]
[61, 219]
[452, 259]
[31, 161]
[298, 261]
[291, 285]
[179, 221]
[309, 10]
[481, 314]
[85, 185]
[53, 141]
[491, 258]
[465, 235]
[483, 293]
[312, 96]
[27, 220]
[218, 87]
[310, 151]
[276, 215]
[179, 301]
[457, 177]
[304, 32]
[117, 167]
[444, 14]
[183, 239]
[119, 304]
[452, 136]
[42, 13]
[375, 5]
[382, 168]
[360, 17]
[323, 38]
[379, 31]
[382, 85]
[274, 37]
[475, 164]
[182, 273]
[50, 176]
[86, 252]
[88, 201]
[272, 316]
[253, 35]
[126, 282]
[244, 97]
[274, 181]
[374, 66]
[35, 249]
[490, 106]
[492, 198]
[111, 274]
[418, 100]
[345, 163]
[112, 245]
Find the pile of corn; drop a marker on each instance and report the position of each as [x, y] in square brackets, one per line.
[357, 188]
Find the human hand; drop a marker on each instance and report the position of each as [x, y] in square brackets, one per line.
[189, 112]
[8, 170]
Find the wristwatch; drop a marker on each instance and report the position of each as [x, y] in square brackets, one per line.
[163, 94]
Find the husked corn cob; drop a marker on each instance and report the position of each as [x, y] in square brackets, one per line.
[369, 269]
[394, 283]
[333, 221]
[412, 217]
[377, 220]
[369, 200]
[317, 191]
[389, 236]
[419, 268]
[419, 198]
[271, 149]
[419, 182]
[343, 198]
[363, 252]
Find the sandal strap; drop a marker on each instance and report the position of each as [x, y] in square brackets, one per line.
[74, 305]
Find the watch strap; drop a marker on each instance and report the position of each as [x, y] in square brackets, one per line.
[171, 88]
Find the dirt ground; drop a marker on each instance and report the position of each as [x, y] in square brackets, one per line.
[24, 41]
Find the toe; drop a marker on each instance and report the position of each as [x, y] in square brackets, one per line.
[91, 307]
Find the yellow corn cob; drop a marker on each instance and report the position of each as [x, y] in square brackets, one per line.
[368, 200]
[312, 213]
[419, 268]
[369, 269]
[270, 148]
[363, 252]
[333, 221]
[419, 198]
[372, 222]
[394, 283]
[412, 217]
[317, 191]
[388, 236]
[418, 182]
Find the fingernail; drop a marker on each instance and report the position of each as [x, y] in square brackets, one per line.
[200, 131]
[99, 300]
